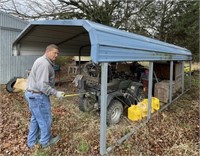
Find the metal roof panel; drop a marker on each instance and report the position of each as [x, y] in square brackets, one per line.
[104, 43]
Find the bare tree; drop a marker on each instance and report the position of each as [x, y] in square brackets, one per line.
[32, 9]
[115, 13]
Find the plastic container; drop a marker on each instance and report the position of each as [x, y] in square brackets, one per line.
[144, 108]
[143, 105]
[155, 103]
[134, 113]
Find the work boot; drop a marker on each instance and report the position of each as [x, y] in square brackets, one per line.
[52, 141]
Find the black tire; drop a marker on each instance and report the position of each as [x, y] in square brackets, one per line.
[10, 84]
[114, 112]
[140, 94]
[86, 104]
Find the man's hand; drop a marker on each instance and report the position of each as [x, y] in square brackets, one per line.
[60, 94]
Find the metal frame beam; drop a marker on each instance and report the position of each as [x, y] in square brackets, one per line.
[171, 81]
[183, 76]
[104, 75]
[150, 86]
[190, 80]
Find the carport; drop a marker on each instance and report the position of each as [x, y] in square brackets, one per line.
[104, 44]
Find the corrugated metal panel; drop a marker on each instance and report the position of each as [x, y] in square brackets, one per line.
[8, 21]
[11, 66]
[106, 44]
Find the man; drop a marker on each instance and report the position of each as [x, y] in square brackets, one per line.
[39, 87]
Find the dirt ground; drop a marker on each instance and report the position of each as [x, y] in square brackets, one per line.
[172, 132]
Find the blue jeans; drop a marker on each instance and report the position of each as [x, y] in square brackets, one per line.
[41, 118]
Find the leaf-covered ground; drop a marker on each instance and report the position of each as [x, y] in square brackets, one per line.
[174, 131]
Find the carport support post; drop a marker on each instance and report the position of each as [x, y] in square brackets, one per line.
[150, 89]
[171, 80]
[190, 81]
[104, 75]
[182, 81]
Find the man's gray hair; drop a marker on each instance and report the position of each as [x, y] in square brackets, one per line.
[51, 46]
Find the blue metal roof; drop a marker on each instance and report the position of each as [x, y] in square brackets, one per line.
[102, 43]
